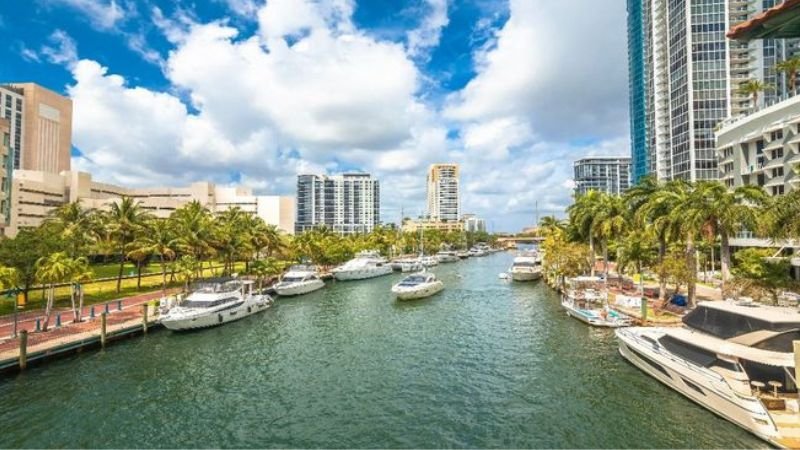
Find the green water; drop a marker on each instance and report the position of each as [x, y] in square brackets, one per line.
[486, 363]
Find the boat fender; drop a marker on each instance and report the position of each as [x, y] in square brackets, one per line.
[219, 316]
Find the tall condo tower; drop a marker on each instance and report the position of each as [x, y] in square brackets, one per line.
[347, 203]
[684, 77]
[443, 192]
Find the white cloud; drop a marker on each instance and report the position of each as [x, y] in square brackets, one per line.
[243, 8]
[61, 50]
[427, 35]
[102, 14]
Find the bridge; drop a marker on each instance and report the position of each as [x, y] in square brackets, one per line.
[520, 240]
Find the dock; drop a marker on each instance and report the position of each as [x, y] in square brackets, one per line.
[101, 325]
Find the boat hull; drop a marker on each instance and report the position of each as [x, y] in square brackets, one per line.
[592, 317]
[525, 276]
[215, 318]
[416, 294]
[447, 258]
[359, 274]
[299, 288]
[745, 412]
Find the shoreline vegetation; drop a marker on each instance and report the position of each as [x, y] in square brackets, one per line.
[81, 257]
[670, 232]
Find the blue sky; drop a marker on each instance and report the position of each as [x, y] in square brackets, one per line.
[254, 91]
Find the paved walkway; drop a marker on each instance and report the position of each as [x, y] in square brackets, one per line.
[27, 319]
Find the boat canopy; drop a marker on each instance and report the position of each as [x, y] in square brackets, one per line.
[699, 342]
[726, 320]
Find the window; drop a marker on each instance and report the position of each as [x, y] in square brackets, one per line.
[725, 324]
[692, 386]
[650, 362]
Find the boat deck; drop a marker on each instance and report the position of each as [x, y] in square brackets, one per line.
[788, 424]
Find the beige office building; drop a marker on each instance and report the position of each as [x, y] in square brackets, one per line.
[413, 226]
[36, 193]
[43, 139]
[444, 203]
[5, 170]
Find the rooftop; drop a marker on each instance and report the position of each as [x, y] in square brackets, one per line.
[780, 21]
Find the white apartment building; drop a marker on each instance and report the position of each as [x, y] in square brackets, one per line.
[473, 224]
[346, 203]
[34, 194]
[762, 149]
[444, 202]
[609, 174]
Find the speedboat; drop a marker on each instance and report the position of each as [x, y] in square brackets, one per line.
[586, 299]
[215, 302]
[447, 256]
[736, 359]
[300, 279]
[526, 267]
[366, 264]
[475, 251]
[416, 286]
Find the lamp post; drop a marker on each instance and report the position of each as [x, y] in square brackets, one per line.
[12, 294]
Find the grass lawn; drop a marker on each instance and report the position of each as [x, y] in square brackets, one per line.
[103, 291]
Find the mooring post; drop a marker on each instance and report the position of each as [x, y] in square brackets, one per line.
[106, 308]
[103, 321]
[38, 325]
[119, 305]
[91, 312]
[144, 318]
[23, 349]
[796, 347]
[58, 320]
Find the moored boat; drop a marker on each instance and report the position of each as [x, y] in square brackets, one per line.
[734, 359]
[526, 267]
[298, 280]
[215, 302]
[447, 256]
[586, 299]
[366, 264]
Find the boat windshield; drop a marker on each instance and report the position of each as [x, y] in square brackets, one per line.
[213, 288]
[727, 324]
[291, 279]
[525, 264]
[207, 303]
[413, 280]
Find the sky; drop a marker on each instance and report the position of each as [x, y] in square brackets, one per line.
[167, 92]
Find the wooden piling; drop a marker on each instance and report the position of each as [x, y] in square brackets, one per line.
[144, 318]
[23, 349]
[103, 323]
[644, 309]
[796, 347]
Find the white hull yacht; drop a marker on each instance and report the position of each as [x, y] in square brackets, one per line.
[417, 286]
[734, 359]
[586, 299]
[446, 256]
[214, 303]
[407, 265]
[526, 267]
[365, 265]
[299, 280]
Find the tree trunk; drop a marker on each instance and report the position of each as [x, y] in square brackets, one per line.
[605, 258]
[80, 303]
[138, 275]
[48, 310]
[691, 262]
[121, 267]
[163, 276]
[72, 301]
[662, 279]
[725, 257]
[591, 254]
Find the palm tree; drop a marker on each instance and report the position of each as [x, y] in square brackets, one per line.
[186, 267]
[51, 270]
[730, 212]
[79, 273]
[609, 222]
[73, 224]
[158, 238]
[635, 252]
[548, 224]
[752, 88]
[790, 67]
[125, 218]
[582, 215]
[263, 268]
[194, 227]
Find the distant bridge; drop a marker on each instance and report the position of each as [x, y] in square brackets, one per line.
[520, 240]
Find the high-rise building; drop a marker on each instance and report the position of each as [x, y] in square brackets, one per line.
[611, 175]
[443, 192]
[41, 123]
[684, 79]
[473, 224]
[347, 203]
[7, 167]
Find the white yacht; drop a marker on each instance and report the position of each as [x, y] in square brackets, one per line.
[416, 286]
[526, 267]
[586, 299]
[428, 261]
[476, 251]
[463, 254]
[407, 264]
[215, 302]
[298, 280]
[366, 264]
[447, 256]
[735, 359]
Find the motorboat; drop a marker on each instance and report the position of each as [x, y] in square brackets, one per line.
[526, 267]
[366, 264]
[429, 261]
[214, 302]
[736, 359]
[407, 265]
[476, 251]
[463, 254]
[586, 299]
[447, 256]
[418, 285]
[298, 280]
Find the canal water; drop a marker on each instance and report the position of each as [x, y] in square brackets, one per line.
[486, 363]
